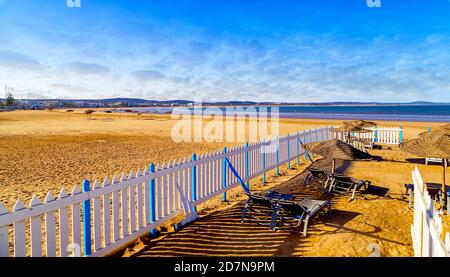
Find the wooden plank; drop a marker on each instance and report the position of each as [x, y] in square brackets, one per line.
[50, 229]
[170, 201]
[4, 233]
[139, 201]
[158, 195]
[19, 233]
[106, 215]
[76, 225]
[63, 227]
[165, 190]
[116, 212]
[186, 183]
[132, 204]
[178, 181]
[124, 208]
[147, 203]
[35, 230]
[211, 174]
[97, 219]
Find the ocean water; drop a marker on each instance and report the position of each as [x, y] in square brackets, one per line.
[419, 113]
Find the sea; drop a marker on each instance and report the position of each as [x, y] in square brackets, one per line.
[416, 113]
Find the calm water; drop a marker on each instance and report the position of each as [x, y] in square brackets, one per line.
[434, 113]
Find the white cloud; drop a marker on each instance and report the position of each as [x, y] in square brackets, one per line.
[82, 68]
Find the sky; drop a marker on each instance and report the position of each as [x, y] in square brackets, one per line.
[253, 50]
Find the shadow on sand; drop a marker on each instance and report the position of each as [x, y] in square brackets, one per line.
[221, 233]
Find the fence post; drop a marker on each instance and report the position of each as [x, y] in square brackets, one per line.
[376, 134]
[317, 134]
[401, 134]
[263, 154]
[298, 148]
[247, 170]
[429, 129]
[289, 150]
[224, 176]
[152, 200]
[87, 220]
[278, 157]
[194, 178]
[304, 141]
[310, 136]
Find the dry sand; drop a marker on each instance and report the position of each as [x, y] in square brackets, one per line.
[47, 150]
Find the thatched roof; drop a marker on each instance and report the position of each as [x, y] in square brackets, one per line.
[336, 149]
[350, 128]
[361, 123]
[435, 144]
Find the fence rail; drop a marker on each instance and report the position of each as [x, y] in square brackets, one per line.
[107, 215]
[387, 135]
[426, 230]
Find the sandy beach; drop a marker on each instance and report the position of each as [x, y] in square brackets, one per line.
[46, 150]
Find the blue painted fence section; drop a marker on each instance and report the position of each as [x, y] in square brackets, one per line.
[87, 241]
[152, 200]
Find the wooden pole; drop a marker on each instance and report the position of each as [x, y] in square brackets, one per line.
[333, 166]
[444, 194]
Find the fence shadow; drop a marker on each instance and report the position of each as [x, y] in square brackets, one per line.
[221, 233]
[416, 161]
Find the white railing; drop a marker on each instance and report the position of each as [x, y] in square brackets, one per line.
[426, 230]
[107, 216]
[387, 135]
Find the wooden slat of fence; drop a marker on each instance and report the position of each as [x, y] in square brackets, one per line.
[106, 215]
[63, 226]
[165, 190]
[50, 229]
[19, 233]
[177, 182]
[124, 208]
[4, 234]
[97, 219]
[76, 223]
[139, 203]
[132, 204]
[158, 195]
[147, 203]
[116, 215]
[35, 230]
[170, 200]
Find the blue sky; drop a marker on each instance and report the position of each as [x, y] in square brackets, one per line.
[302, 51]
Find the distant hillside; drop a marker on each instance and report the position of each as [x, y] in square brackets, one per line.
[138, 102]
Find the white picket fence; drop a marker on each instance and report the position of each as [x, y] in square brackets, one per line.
[426, 230]
[131, 206]
[386, 135]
